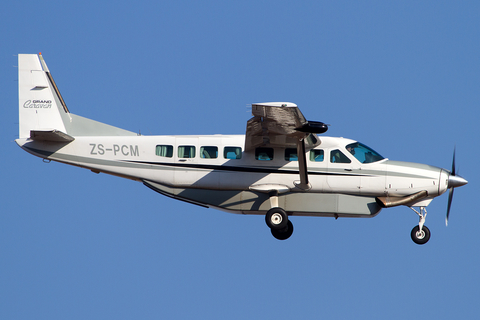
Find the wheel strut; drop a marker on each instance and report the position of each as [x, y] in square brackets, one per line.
[273, 199]
[422, 215]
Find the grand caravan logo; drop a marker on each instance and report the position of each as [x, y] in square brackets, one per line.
[38, 104]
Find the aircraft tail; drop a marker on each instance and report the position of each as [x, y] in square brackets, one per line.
[43, 114]
[41, 105]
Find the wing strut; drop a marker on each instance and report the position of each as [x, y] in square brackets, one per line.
[302, 165]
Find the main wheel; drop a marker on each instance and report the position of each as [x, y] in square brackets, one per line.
[285, 233]
[276, 219]
[420, 237]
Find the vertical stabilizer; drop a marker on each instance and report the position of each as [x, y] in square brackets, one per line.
[42, 109]
[41, 105]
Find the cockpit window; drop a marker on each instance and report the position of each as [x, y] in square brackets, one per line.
[363, 153]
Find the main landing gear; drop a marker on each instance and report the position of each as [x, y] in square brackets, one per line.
[277, 220]
[420, 234]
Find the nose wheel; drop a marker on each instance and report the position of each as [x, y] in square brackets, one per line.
[420, 234]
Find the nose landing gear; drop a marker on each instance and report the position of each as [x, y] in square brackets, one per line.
[420, 234]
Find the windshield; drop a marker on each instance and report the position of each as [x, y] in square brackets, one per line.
[363, 153]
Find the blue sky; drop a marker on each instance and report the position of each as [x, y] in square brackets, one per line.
[400, 76]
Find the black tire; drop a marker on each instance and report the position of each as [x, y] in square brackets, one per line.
[276, 219]
[420, 238]
[285, 233]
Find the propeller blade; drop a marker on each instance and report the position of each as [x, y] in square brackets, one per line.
[453, 162]
[450, 198]
[454, 181]
[450, 193]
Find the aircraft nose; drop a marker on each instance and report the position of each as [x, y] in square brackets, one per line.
[456, 181]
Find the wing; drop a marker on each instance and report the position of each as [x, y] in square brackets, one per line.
[274, 125]
[281, 124]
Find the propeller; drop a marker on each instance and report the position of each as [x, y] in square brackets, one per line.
[454, 181]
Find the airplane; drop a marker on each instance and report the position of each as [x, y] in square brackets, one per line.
[280, 168]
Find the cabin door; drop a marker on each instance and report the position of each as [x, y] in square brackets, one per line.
[343, 173]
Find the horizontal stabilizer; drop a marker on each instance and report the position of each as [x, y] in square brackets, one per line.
[50, 135]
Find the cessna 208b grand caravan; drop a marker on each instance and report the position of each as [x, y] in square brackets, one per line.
[280, 168]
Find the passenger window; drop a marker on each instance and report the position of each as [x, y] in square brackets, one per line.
[264, 154]
[209, 152]
[316, 155]
[291, 154]
[186, 151]
[336, 156]
[232, 153]
[164, 151]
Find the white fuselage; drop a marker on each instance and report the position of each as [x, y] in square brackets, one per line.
[177, 175]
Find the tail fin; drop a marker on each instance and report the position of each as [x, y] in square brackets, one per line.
[41, 106]
[42, 109]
